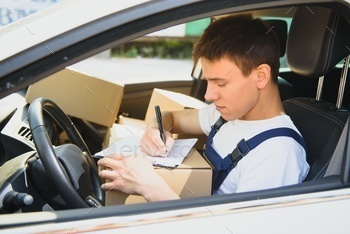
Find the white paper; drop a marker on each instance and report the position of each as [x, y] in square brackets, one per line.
[130, 146]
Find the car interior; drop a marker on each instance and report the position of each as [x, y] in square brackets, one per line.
[314, 91]
[308, 113]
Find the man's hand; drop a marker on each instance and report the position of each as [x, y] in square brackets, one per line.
[134, 175]
[152, 144]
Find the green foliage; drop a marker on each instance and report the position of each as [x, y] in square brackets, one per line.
[162, 48]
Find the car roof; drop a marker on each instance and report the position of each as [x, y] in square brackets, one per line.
[56, 20]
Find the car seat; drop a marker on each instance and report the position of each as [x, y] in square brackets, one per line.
[280, 27]
[316, 42]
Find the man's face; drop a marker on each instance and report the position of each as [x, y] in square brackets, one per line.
[233, 94]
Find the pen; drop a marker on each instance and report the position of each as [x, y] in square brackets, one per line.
[159, 121]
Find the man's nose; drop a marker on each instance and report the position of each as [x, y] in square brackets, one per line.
[210, 94]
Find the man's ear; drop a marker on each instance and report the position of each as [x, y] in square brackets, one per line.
[264, 75]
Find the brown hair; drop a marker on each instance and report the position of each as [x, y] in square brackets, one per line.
[242, 39]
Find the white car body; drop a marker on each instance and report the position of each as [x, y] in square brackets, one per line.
[320, 208]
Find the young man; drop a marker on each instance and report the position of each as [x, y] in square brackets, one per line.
[240, 61]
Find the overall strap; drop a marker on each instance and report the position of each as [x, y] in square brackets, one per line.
[214, 129]
[221, 121]
[244, 147]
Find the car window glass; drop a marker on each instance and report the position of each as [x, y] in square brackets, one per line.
[164, 55]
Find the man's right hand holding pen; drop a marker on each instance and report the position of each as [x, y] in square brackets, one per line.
[157, 141]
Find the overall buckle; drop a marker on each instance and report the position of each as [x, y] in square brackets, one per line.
[239, 152]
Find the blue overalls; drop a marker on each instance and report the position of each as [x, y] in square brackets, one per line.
[222, 166]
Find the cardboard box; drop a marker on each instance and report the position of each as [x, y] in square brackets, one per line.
[190, 179]
[167, 101]
[171, 101]
[81, 95]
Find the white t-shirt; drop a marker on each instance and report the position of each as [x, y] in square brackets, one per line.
[276, 162]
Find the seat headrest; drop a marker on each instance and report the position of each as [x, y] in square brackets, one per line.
[318, 39]
[280, 27]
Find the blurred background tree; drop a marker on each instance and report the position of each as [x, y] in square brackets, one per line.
[171, 43]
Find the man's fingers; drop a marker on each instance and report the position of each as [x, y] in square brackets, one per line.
[169, 143]
[108, 174]
[148, 148]
[108, 186]
[109, 161]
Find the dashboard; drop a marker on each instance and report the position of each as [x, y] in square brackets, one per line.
[15, 133]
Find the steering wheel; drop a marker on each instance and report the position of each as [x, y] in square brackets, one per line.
[70, 166]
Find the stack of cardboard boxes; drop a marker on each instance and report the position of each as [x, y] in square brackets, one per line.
[190, 179]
